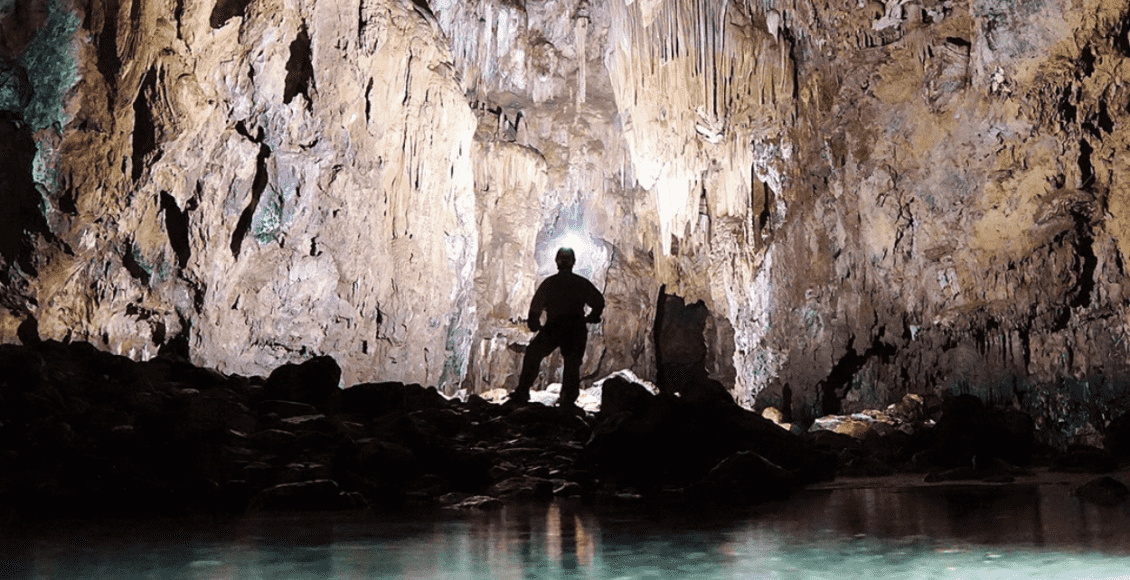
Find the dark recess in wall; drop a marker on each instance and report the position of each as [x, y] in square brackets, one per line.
[134, 17]
[21, 217]
[299, 68]
[109, 64]
[132, 265]
[258, 186]
[144, 129]
[176, 224]
[226, 10]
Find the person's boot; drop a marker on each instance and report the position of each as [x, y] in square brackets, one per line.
[518, 397]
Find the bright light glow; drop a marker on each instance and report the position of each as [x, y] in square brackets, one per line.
[593, 255]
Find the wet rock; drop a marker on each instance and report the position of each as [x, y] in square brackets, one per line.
[319, 423]
[1105, 491]
[316, 495]
[303, 471]
[956, 474]
[477, 502]
[523, 487]
[285, 409]
[745, 477]
[864, 467]
[427, 487]
[452, 498]
[568, 489]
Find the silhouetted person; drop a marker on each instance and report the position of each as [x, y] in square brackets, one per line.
[562, 297]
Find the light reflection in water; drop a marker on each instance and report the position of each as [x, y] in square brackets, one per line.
[955, 532]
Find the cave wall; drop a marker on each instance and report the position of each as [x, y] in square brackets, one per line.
[267, 179]
[955, 216]
[910, 196]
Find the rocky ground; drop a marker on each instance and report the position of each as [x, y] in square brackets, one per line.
[84, 433]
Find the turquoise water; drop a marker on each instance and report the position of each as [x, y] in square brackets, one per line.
[957, 532]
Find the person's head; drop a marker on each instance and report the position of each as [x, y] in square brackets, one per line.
[565, 259]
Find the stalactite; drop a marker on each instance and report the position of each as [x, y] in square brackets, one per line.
[691, 86]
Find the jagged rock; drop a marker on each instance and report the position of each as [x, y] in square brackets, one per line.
[910, 408]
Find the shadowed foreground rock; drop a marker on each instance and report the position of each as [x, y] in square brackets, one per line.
[85, 433]
[647, 441]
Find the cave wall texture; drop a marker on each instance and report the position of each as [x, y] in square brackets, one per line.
[870, 199]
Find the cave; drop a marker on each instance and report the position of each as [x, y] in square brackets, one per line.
[800, 215]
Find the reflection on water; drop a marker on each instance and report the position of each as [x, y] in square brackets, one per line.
[954, 532]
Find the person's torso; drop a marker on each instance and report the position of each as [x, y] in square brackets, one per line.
[565, 297]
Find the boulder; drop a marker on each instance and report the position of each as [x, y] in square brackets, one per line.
[314, 382]
[1105, 491]
[967, 429]
[745, 477]
[651, 441]
[621, 395]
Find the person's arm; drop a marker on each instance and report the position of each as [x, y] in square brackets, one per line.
[537, 305]
[595, 301]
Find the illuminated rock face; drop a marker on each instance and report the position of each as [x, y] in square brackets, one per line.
[270, 180]
[908, 196]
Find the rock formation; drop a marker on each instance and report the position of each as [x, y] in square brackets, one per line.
[913, 196]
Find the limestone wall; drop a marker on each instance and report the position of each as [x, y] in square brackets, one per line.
[914, 195]
[270, 179]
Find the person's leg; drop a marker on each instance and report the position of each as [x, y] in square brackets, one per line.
[573, 351]
[538, 349]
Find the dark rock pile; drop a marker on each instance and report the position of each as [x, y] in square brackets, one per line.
[87, 433]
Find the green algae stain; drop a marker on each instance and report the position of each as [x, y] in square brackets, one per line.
[50, 70]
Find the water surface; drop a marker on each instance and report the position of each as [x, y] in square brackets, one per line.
[1020, 531]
